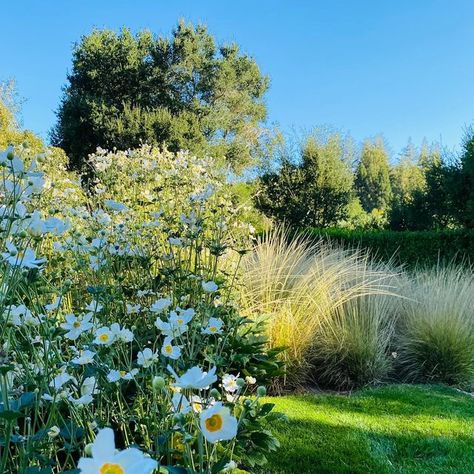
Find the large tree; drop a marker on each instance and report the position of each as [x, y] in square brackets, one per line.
[183, 91]
[373, 177]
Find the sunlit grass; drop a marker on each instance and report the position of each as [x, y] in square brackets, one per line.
[394, 429]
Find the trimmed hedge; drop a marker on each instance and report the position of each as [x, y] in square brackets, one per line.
[411, 248]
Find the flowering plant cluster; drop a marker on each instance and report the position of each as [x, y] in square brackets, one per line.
[117, 320]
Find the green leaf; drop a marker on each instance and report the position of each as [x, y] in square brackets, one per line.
[44, 470]
[266, 408]
[10, 415]
[27, 399]
[173, 470]
[4, 369]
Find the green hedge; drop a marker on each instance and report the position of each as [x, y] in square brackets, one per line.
[424, 248]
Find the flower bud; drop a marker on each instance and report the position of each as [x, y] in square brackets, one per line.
[240, 382]
[53, 432]
[214, 393]
[88, 449]
[158, 383]
[261, 391]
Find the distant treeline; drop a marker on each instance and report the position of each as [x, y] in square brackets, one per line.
[326, 183]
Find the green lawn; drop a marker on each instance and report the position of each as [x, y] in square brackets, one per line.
[393, 429]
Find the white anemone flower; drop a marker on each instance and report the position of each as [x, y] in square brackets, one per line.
[121, 334]
[61, 379]
[160, 305]
[180, 404]
[147, 357]
[229, 382]
[197, 403]
[214, 326]
[94, 307]
[36, 226]
[107, 460]
[17, 315]
[76, 326]
[217, 424]
[194, 378]
[169, 350]
[173, 328]
[133, 308]
[115, 205]
[116, 375]
[88, 389]
[84, 358]
[23, 259]
[209, 286]
[104, 336]
[54, 305]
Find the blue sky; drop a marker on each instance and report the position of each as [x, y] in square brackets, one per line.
[401, 68]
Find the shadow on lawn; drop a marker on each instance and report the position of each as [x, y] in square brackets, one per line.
[314, 447]
[362, 438]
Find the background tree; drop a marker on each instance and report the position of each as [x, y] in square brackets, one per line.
[10, 130]
[373, 177]
[464, 197]
[184, 91]
[407, 182]
[313, 190]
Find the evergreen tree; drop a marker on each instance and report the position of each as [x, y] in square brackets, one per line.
[312, 191]
[373, 177]
[183, 91]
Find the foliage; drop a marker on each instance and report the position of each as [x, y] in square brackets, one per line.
[315, 190]
[408, 248]
[436, 337]
[184, 91]
[352, 347]
[394, 428]
[301, 289]
[10, 132]
[372, 177]
[116, 310]
[465, 190]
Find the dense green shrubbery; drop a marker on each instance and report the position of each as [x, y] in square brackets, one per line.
[409, 248]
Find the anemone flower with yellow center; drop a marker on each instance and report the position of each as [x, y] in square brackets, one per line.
[217, 424]
[106, 460]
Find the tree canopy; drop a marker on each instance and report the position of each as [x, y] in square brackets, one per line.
[183, 91]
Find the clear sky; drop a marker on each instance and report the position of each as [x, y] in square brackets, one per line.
[402, 68]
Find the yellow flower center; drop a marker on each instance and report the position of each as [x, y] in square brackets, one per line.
[168, 349]
[180, 322]
[197, 407]
[123, 373]
[76, 324]
[214, 423]
[213, 329]
[104, 337]
[111, 468]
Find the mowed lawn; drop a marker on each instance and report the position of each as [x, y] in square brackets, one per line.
[393, 429]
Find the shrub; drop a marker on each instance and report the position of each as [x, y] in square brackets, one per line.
[408, 248]
[300, 287]
[436, 336]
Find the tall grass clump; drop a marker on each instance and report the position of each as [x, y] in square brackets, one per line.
[303, 288]
[436, 341]
[352, 345]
